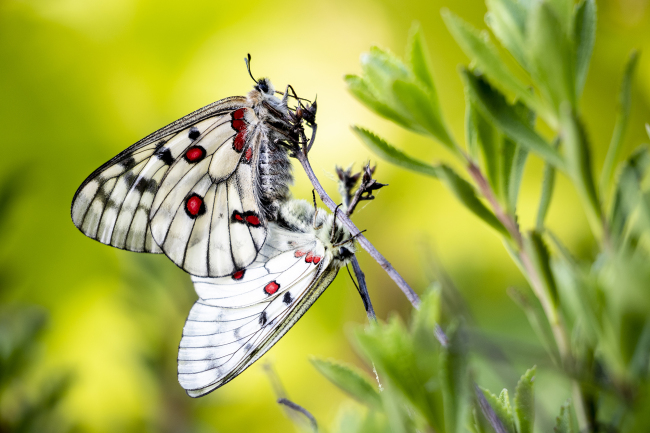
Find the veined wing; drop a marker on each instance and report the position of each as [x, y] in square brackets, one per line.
[239, 317]
[113, 204]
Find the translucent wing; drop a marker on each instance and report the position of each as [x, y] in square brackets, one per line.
[239, 317]
[186, 187]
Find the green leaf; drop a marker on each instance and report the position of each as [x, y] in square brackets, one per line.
[541, 261]
[501, 408]
[564, 422]
[507, 20]
[350, 380]
[465, 193]
[647, 129]
[548, 181]
[516, 173]
[525, 402]
[620, 127]
[536, 320]
[362, 91]
[412, 370]
[417, 56]
[478, 47]
[578, 160]
[483, 136]
[494, 106]
[415, 100]
[629, 196]
[564, 11]
[550, 55]
[393, 155]
[456, 381]
[584, 35]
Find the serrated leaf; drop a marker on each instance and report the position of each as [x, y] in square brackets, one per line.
[411, 370]
[584, 35]
[494, 106]
[525, 402]
[419, 60]
[550, 56]
[350, 380]
[541, 261]
[502, 412]
[478, 47]
[507, 20]
[466, 194]
[564, 422]
[417, 102]
[394, 155]
[620, 127]
[362, 91]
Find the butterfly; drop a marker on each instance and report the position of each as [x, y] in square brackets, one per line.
[237, 318]
[202, 189]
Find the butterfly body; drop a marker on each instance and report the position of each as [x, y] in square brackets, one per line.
[239, 317]
[202, 189]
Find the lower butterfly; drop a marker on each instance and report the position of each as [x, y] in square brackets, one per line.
[239, 317]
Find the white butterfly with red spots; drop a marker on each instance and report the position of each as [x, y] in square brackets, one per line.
[203, 189]
[239, 317]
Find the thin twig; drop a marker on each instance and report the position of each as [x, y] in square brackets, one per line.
[365, 243]
[288, 403]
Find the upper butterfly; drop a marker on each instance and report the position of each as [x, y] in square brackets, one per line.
[203, 188]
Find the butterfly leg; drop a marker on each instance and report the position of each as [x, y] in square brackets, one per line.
[313, 193]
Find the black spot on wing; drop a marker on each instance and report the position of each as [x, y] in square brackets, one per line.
[143, 184]
[128, 163]
[263, 318]
[194, 133]
[165, 155]
[287, 299]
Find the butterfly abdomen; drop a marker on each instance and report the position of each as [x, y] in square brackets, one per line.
[274, 178]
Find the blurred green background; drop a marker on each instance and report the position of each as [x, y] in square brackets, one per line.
[81, 80]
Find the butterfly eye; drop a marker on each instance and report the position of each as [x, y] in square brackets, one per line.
[263, 86]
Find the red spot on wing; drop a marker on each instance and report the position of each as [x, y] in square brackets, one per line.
[238, 275]
[253, 220]
[240, 140]
[310, 257]
[238, 216]
[249, 154]
[239, 125]
[300, 253]
[195, 154]
[271, 287]
[194, 205]
[316, 259]
[239, 114]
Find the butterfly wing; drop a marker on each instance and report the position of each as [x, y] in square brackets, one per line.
[238, 318]
[194, 165]
[206, 216]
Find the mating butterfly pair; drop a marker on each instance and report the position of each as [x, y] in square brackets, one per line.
[210, 191]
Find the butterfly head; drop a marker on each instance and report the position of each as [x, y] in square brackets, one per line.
[265, 87]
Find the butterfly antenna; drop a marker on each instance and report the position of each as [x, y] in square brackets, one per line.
[248, 67]
[334, 223]
[350, 240]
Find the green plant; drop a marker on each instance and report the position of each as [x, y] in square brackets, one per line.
[595, 311]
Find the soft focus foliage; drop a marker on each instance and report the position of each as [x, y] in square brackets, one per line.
[80, 81]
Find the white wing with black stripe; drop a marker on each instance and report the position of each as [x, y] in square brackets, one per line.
[113, 204]
[239, 317]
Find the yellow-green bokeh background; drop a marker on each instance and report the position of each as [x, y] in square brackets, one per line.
[83, 79]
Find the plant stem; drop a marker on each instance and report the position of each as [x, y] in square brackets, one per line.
[553, 315]
[413, 298]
